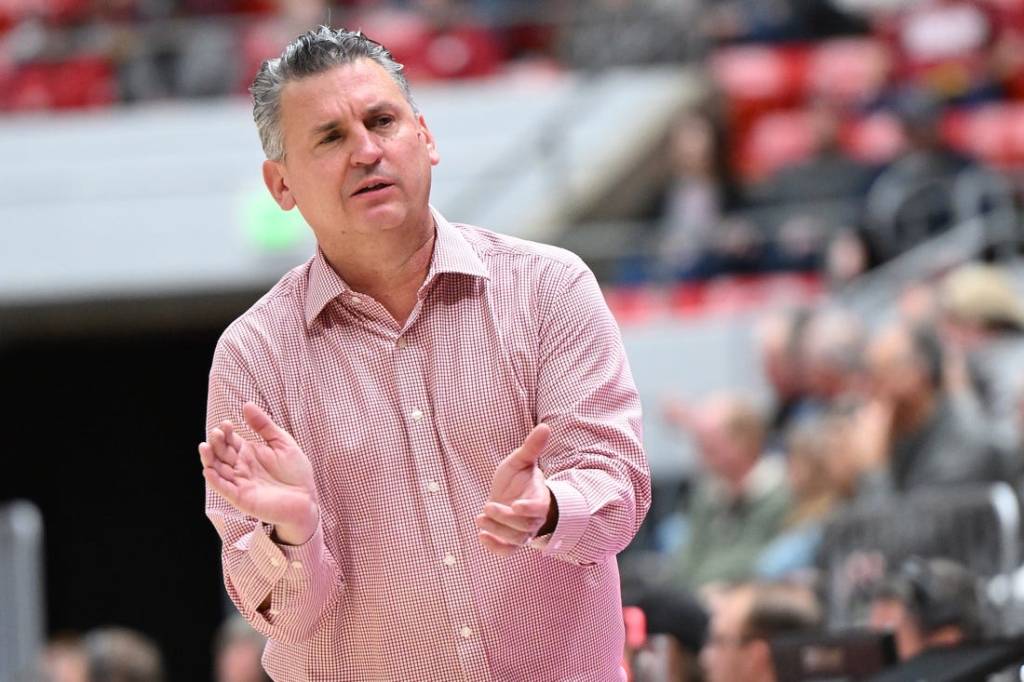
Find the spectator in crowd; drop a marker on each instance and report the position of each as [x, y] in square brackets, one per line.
[64, 660]
[910, 430]
[816, 492]
[237, 651]
[831, 352]
[911, 198]
[928, 603]
[828, 174]
[779, 339]
[122, 655]
[741, 498]
[744, 620]
[776, 21]
[982, 321]
[699, 194]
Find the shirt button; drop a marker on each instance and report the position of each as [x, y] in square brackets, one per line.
[356, 299]
[297, 565]
[273, 612]
[275, 562]
[466, 632]
[400, 343]
[416, 415]
[433, 487]
[449, 560]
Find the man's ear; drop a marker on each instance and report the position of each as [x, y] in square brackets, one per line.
[428, 138]
[277, 183]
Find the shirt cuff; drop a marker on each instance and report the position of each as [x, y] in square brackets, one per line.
[290, 562]
[573, 517]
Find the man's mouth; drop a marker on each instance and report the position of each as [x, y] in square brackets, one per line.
[372, 188]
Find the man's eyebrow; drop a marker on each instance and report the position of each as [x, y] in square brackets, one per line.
[324, 127]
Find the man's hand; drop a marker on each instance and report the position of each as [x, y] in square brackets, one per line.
[520, 505]
[272, 482]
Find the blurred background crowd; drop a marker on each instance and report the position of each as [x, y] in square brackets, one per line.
[806, 215]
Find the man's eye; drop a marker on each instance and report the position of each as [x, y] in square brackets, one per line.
[330, 138]
[385, 120]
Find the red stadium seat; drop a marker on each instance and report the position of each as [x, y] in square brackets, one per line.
[74, 84]
[848, 70]
[873, 139]
[775, 140]
[992, 133]
[758, 79]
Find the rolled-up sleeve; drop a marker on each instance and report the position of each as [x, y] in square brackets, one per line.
[595, 465]
[281, 590]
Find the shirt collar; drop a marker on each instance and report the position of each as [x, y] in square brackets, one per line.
[452, 254]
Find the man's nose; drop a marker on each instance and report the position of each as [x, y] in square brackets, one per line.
[367, 149]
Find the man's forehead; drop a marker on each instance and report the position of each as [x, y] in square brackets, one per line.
[343, 89]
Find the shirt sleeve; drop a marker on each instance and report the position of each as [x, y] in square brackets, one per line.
[595, 464]
[281, 590]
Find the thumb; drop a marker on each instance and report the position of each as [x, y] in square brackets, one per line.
[526, 455]
[264, 426]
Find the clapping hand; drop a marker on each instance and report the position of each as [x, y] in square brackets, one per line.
[271, 481]
[520, 505]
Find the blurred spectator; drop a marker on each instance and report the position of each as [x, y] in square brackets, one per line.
[816, 493]
[928, 603]
[945, 47]
[743, 622]
[237, 652]
[630, 32]
[699, 194]
[910, 431]
[912, 197]
[848, 255]
[741, 498]
[982, 321]
[779, 338]
[64, 660]
[122, 655]
[831, 351]
[777, 20]
[828, 174]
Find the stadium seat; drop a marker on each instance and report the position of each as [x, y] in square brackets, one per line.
[847, 70]
[775, 140]
[873, 139]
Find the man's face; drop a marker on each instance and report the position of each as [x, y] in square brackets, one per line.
[894, 373]
[357, 158]
[726, 655]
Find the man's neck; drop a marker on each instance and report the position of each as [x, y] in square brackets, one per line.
[391, 269]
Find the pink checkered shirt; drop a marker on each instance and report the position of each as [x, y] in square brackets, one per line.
[405, 427]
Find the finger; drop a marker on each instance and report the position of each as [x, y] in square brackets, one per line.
[231, 436]
[507, 516]
[496, 545]
[533, 508]
[226, 489]
[225, 471]
[526, 455]
[500, 530]
[221, 450]
[206, 454]
[264, 426]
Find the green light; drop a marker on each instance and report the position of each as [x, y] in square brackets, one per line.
[268, 228]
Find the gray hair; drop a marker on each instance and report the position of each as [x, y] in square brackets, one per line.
[312, 53]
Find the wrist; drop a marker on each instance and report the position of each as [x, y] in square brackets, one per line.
[551, 522]
[297, 534]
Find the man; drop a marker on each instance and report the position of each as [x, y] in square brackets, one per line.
[741, 500]
[744, 620]
[399, 416]
[928, 603]
[910, 434]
